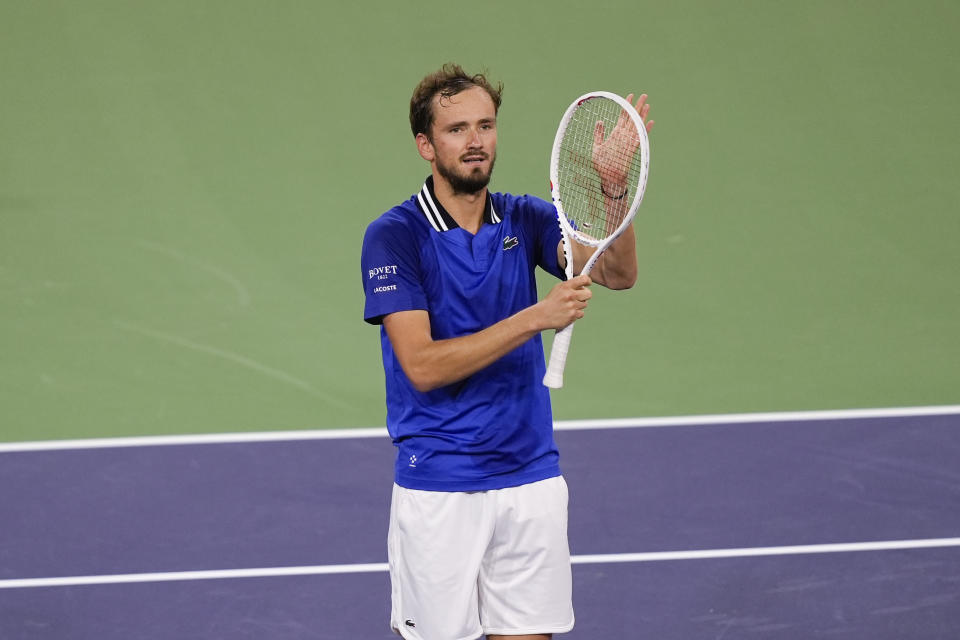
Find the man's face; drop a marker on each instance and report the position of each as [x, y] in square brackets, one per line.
[463, 141]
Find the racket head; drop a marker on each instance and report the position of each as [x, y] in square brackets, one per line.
[575, 184]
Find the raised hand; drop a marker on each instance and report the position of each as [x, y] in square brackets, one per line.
[612, 155]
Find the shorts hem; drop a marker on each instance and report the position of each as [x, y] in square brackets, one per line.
[473, 636]
[528, 631]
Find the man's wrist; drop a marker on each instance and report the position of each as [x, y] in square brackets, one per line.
[613, 197]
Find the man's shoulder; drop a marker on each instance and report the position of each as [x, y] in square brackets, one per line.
[402, 220]
[528, 213]
[401, 214]
[508, 204]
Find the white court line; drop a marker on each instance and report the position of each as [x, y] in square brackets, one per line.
[748, 552]
[560, 425]
[207, 438]
[659, 556]
[747, 418]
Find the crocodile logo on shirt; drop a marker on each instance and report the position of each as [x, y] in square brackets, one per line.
[510, 243]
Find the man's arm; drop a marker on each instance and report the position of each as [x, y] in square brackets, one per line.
[615, 269]
[430, 364]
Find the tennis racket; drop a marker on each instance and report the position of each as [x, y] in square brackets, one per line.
[601, 143]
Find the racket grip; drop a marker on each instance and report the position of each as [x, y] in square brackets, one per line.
[558, 357]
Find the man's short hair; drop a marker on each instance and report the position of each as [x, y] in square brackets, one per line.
[447, 81]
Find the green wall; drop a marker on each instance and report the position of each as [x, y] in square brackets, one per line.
[184, 187]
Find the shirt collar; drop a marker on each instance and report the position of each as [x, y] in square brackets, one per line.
[438, 217]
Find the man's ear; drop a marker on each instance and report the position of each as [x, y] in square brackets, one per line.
[425, 147]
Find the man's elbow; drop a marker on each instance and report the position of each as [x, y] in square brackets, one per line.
[423, 379]
[622, 280]
[423, 386]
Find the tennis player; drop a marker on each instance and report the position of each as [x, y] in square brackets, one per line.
[478, 524]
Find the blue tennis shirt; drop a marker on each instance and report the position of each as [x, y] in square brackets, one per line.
[493, 429]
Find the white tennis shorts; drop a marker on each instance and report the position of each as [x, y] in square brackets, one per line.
[485, 562]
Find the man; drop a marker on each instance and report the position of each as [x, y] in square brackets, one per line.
[478, 524]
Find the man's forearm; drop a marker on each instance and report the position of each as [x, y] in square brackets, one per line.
[616, 268]
[431, 363]
[437, 363]
[618, 264]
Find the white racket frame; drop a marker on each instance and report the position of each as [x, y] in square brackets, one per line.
[561, 341]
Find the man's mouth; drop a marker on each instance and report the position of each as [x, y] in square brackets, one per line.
[475, 158]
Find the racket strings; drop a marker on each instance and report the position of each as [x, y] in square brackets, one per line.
[585, 169]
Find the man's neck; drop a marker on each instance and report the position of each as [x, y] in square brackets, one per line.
[466, 208]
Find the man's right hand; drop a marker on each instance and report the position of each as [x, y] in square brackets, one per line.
[565, 303]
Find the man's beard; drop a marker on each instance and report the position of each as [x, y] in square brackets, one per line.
[473, 182]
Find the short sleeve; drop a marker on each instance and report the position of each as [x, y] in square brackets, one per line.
[390, 270]
[540, 222]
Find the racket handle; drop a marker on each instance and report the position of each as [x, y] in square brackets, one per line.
[558, 357]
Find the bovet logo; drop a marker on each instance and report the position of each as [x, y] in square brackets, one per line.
[382, 273]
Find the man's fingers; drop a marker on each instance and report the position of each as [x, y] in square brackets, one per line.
[598, 133]
[580, 281]
[644, 109]
[624, 118]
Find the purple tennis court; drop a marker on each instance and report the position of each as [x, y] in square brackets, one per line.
[841, 525]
